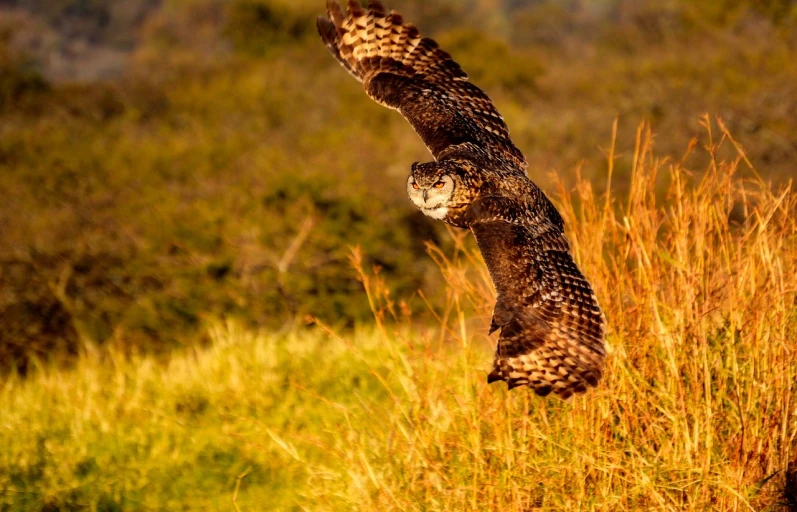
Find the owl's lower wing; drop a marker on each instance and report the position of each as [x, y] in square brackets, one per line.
[403, 71]
[552, 329]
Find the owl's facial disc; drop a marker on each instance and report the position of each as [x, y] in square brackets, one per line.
[431, 194]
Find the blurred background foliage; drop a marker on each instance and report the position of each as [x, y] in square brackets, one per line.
[167, 162]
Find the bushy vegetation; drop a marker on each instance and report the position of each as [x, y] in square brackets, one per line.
[696, 410]
[227, 172]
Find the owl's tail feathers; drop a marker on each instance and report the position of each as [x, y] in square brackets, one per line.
[371, 41]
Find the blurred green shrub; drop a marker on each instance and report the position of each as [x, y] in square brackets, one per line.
[131, 214]
[230, 170]
[19, 76]
[260, 26]
[725, 12]
[491, 62]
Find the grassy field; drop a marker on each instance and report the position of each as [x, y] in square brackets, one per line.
[697, 410]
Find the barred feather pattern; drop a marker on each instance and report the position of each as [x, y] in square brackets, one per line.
[551, 327]
[412, 74]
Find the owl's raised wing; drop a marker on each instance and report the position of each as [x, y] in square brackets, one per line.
[403, 71]
[552, 329]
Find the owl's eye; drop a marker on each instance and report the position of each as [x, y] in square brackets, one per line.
[439, 184]
[415, 185]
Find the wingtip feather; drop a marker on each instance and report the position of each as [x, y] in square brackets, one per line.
[494, 376]
[354, 8]
[326, 29]
[376, 7]
[335, 13]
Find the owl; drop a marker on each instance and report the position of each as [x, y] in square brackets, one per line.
[551, 328]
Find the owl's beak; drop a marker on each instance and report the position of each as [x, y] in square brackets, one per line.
[425, 193]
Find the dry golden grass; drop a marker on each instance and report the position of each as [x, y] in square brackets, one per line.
[697, 409]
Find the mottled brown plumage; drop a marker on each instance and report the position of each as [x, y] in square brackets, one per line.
[552, 329]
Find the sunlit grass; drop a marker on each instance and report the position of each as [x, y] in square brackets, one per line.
[697, 409]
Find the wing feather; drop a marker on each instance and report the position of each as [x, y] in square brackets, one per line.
[412, 74]
[552, 328]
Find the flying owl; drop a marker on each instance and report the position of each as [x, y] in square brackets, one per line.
[551, 326]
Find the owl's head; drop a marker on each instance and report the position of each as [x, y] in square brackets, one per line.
[432, 185]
